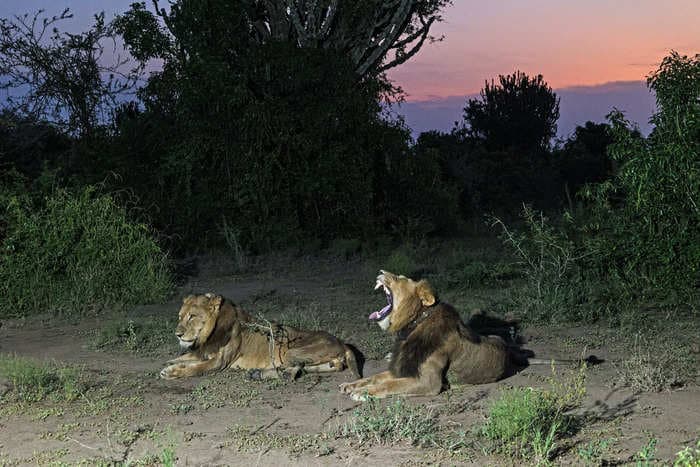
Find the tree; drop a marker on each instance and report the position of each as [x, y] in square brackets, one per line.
[375, 35]
[518, 112]
[276, 138]
[584, 157]
[65, 79]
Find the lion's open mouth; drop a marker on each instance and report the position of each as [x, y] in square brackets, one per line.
[384, 312]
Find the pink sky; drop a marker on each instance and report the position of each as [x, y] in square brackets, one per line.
[569, 42]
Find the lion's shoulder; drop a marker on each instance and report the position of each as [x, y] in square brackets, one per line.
[413, 348]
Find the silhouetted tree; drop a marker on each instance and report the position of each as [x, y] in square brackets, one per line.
[583, 158]
[518, 112]
[65, 79]
[374, 35]
[261, 121]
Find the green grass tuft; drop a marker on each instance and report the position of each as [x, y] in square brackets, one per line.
[32, 382]
[393, 423]
[528, 422]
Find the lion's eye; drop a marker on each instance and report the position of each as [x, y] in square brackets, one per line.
[189, 318]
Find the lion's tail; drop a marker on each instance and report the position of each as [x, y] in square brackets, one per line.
[354, 359]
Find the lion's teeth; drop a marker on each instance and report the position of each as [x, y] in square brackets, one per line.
[379, 284]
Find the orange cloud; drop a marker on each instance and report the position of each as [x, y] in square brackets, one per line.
[569, 43]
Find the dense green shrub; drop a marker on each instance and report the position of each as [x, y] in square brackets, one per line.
[76, 253]
[638, 241]
[647, 219]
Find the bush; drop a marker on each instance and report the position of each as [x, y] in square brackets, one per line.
[647, 219]
[551, 263]
[76, 253]
[527, 422]
[638, 243]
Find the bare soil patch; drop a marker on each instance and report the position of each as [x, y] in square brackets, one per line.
[126, 415]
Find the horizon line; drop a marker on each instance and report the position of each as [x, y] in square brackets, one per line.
[574, 87]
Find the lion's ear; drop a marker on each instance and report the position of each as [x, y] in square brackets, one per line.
[215, 303]
[426, 293]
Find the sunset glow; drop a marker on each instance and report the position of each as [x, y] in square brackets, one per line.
[570, 43]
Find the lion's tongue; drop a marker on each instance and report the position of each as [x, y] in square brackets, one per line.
[381, 314]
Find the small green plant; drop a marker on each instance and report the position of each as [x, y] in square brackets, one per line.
[393, 423]
[645, 455]
[688, 457]
[528, 422]
[76, 253]
[34, 382]
[524, 422]
[592, 452]
[168, 457]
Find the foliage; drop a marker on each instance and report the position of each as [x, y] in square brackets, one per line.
[647, 218]
[583, 158]
[638, 240]
[31, 149]
[281, 141]
[396, 422]
[593, 451]
[551, 262]
[645, 455]
[688, 457]
[76, 253]
[32, 381]
[398, 29]
[65, 78]
[528, 422]
[402, 261]
[519, 112]
[499, 155]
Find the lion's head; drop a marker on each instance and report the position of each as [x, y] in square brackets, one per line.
[197, 319]
[405, 297]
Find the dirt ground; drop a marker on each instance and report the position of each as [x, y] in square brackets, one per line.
[128, 416]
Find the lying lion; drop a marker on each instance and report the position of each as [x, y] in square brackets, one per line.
[218, 335]
[430, 339]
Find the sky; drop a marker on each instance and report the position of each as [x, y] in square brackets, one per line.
[596, 54]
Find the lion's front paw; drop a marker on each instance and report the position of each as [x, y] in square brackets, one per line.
[346, 388]
[359, 396]
[173, 371]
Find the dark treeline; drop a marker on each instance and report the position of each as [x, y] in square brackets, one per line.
[257, 131]
[265, 127]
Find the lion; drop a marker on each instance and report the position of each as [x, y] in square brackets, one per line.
[217, 334]
[430, 339]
